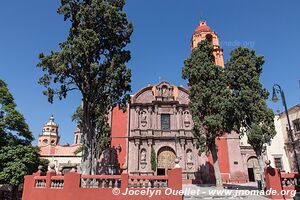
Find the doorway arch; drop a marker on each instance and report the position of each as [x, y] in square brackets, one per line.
[165, 160]
[253, 168]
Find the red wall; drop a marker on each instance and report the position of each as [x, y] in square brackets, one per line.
[222, 156]
[72, 190]
[119, 130]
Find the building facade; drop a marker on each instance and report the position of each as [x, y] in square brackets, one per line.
[61, 155]
[157, 128]
[285, 160]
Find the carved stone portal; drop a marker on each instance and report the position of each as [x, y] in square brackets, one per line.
[166, 158]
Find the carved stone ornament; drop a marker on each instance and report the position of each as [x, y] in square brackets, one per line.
[143, 118]
[143, 159]
[187, 120]
[189, 159]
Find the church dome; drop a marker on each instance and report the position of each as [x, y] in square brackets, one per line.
[51, 122]
[202, 27]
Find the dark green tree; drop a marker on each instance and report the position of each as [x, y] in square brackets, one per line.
[153, 159]
[209, 94]
[249, 99]
[13, 128]
[17, 156]
[91, 60]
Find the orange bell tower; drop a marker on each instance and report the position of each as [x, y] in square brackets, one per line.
[202, 32]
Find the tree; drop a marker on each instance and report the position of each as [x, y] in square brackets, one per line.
[13, 127]
[153, 159]
[16, 162]
[91, 60]
[17, 156]
[209, 94]
[249, 99]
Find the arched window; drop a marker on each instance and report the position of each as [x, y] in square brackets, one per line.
[209, 38]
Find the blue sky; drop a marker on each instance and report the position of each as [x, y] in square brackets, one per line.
[160, 44]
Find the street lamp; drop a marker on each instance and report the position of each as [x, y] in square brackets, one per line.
[277, 90]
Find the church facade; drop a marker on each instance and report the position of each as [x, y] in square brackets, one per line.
[157, 128]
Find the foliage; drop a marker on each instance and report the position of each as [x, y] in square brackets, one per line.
[92, 60]
[78, 150]
[208, 95]
[153, 159]
[16, 162]
[17, 156]
[13, 128]
[249, 98]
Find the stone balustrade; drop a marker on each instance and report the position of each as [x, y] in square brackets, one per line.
[290, 179]
[40, 182]
[148, 182]
[57, 182]
[100, 181]
[75, 186]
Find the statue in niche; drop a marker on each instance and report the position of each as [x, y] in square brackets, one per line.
[189, 156]
[143, 155]
[187, 120]
[144, 118]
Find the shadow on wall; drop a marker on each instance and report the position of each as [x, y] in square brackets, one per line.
[205, 174]
[108, 163]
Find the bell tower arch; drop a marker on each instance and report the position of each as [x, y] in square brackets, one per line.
[202, 32]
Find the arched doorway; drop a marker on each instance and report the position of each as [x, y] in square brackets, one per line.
[165, 160]
[253, 168]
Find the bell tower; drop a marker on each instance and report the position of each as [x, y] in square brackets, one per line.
[202, 32]
[49, 134]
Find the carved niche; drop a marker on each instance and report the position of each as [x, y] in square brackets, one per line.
[143, 158]
[143, 118]
[186, 117]
[164, 91]
[189, 159]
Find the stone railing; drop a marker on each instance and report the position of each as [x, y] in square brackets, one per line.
[148, 182]
[75, 186]
[282, 183]
[100, 181]
[290, 180]
[57, 182]
[40, 182]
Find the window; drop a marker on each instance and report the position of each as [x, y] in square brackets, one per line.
[296, 124]
[165, 122]
[278, 163]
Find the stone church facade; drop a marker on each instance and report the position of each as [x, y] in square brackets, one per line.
[157, 128]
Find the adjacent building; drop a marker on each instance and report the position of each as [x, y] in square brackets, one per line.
[60, 155]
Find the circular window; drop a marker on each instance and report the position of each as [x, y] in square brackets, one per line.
[45, 141]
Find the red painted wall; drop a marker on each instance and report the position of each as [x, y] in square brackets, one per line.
[71, 189]
[223, 157]
[119, 131]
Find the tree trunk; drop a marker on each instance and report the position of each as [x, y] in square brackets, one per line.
[261, 169]
[213, 150]
[88, 147]
[14, 192]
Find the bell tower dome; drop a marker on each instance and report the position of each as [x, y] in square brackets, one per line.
[202, 32]
[49, 134]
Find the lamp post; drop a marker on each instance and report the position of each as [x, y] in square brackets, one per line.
[278, 89]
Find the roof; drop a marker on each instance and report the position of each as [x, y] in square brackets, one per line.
[202, 27]
[59, 150]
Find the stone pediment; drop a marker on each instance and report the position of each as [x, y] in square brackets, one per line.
[163, 91]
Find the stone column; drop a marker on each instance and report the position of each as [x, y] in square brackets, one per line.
[150, 117]
[137, 117]
[180, 118]
[136, 155]
[156, 117]
[174, 118]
